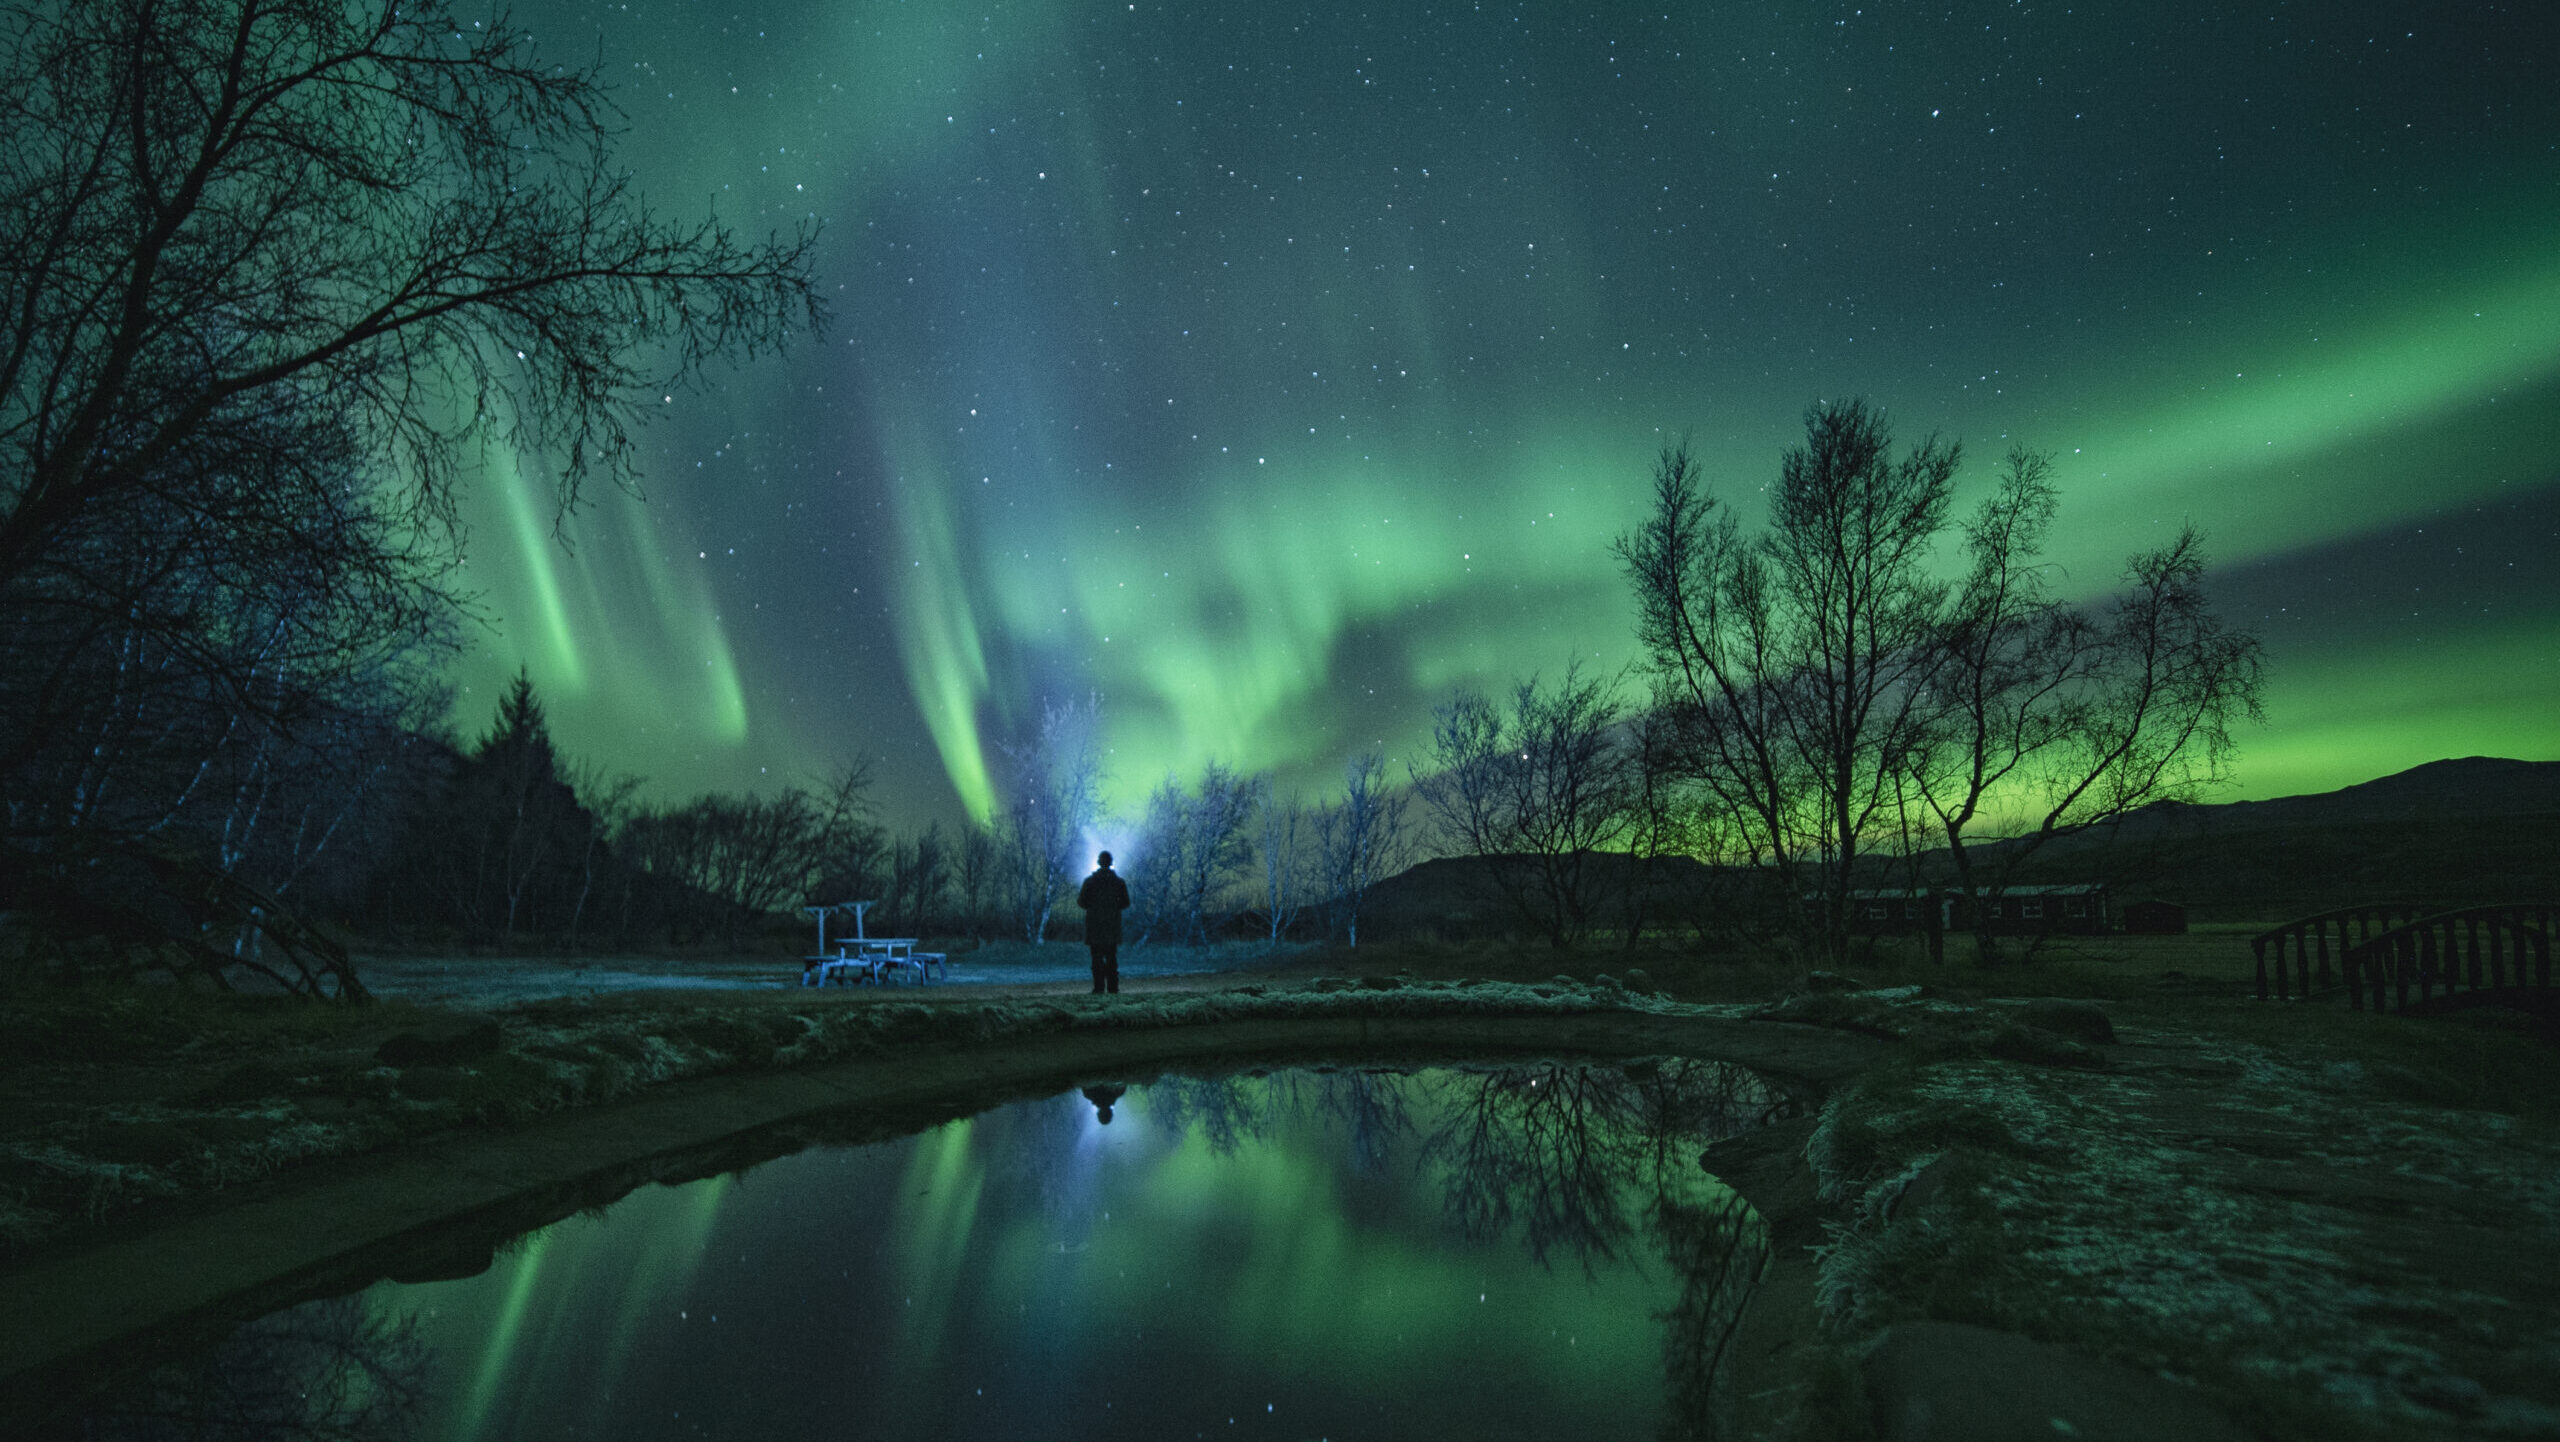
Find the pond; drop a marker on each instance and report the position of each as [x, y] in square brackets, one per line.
[1523, 1250]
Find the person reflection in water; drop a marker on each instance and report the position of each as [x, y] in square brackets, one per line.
[1104, 896]
[1102, 1097]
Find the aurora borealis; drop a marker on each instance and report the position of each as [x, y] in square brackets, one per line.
[1271, 371]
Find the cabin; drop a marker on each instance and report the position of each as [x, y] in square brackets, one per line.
[2078, 910]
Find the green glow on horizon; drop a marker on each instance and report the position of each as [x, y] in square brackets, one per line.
[2350, 715]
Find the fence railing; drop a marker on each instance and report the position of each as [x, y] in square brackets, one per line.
[2474, 949]
[2324, 938]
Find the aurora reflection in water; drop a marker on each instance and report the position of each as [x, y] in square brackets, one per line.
[1331, 1253]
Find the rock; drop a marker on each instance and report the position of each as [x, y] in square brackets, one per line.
[1829, 981]
[1381, 983]
[1948, 1382]
[1605, 982]
[1640, 981]
[440, 1043]
[2079, 1020]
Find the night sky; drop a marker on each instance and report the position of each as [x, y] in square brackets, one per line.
[1272, 371]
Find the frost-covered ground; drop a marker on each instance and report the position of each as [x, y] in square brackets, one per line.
[2332, 1247]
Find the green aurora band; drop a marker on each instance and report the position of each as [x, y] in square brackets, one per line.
[1273, 379]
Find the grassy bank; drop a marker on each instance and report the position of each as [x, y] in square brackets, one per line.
[116, 1103]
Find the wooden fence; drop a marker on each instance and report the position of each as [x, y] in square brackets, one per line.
[2455, 956]
[2324, 938]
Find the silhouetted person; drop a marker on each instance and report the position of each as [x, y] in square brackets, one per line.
[1102, 1097]
[1103, 896]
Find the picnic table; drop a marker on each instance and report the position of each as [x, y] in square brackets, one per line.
[879, 959]
[875, 959]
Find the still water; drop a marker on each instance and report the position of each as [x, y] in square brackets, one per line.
[1524, 1251]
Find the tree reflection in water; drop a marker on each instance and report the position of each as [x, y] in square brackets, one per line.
[1571, 1154]
[1584, 1160]
[329, 1371]
[1596, 1163]
[1227, 1111]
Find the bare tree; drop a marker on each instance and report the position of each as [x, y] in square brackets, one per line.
[1794, 661]
[2063, 718]
[1658, 825]
[1536, 792]
[919, 875]
[611, 799]
[974, 878]
[1281, 837]
[1153, 856]
[1054, 796]
[1360, 841]
[1825, 691]
[752, 854]
[275, 271]
[1195, 842]
[221, 210]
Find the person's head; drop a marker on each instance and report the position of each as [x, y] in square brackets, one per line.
[1102, 1116]
[1104, 860]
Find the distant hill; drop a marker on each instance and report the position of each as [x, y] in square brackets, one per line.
[2474, 786]
[2477, 829]
[2481, 828]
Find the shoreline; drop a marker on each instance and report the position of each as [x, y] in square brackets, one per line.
[426, 1207]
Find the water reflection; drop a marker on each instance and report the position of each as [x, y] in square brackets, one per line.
[1103, 1099]
[1517, 1251]
[331, 1371]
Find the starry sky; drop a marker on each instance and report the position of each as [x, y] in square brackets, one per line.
[1271, 371]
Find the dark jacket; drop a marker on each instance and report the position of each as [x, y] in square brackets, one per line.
[1103, 896]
